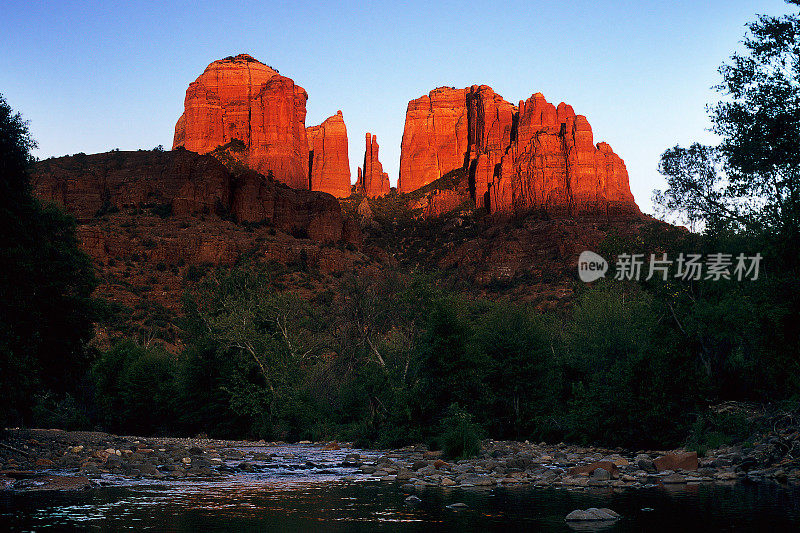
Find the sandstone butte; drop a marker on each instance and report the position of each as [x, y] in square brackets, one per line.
[242, 98]
[329, 164]
[372, 180]
[531, 156]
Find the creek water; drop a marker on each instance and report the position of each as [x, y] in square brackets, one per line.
[306, 489]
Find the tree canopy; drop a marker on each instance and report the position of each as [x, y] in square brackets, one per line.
[45, 282]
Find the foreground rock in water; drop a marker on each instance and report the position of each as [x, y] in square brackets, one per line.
[518, 158]
[242, 98]
[677, 461]
[185, 183]
[592, 515]
[330, 164]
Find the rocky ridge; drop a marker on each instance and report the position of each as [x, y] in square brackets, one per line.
[184, 183]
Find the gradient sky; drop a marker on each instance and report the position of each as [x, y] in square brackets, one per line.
[92, 76]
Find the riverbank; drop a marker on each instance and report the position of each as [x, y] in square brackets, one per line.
[40, 460]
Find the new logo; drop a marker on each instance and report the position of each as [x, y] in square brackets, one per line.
[591, 266]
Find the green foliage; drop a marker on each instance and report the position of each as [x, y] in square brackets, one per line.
[268, 339]
[629, 380]
[46, 282]
[715, 429]
[134, 388]
[745, 195]
[459, 435]
[518, 386]
[401, 354]
[50, 411]
[749, 183]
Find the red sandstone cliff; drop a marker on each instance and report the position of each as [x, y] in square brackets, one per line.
[372, 180]
[554, 163]
[189, 184]
[329, 169]
[242, 98]
[518, 158]
[434, 137]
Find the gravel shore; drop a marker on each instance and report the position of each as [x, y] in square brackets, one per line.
[32, 460]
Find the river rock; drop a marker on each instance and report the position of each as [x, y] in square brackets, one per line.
[413, 500]
[644, 462]
[592, 514]
[677, 461]
[458, 506]
[608, 466]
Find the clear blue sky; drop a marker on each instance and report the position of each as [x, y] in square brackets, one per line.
[92, 76]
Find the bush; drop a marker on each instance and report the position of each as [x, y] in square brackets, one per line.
[134, 388]
[49, 411]
[459, 435]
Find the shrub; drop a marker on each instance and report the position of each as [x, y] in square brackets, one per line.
[459, 436]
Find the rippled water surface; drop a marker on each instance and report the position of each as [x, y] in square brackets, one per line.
[303, 489]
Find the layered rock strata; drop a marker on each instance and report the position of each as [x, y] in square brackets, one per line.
[183, 183]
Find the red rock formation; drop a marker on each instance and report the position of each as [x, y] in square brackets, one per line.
[491, 120]
[329, 165]
[554, 164]
[438, 202]
[372, 180]
[435, 139]
[451, 128]
[187, 183]
[530, 157]
[241, 98]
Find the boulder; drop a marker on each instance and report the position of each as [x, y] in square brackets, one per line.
[589, 469]
[592, 514]
[677, 461]
[644, 462]
[673, 479]
[601, 474]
